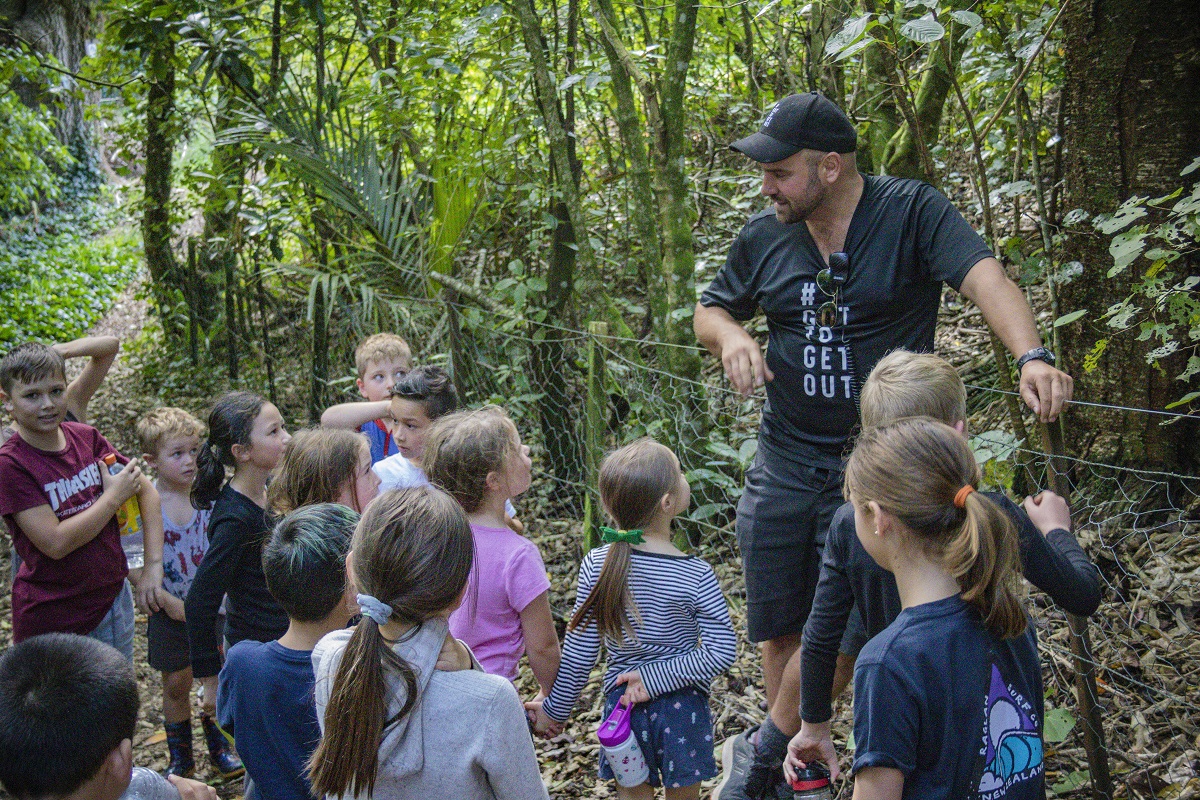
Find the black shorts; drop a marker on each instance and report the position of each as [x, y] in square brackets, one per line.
[167, 641]
[782, 520]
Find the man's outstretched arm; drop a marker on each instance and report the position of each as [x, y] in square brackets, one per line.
[1044, 388]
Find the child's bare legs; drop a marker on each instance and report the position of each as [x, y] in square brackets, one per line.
[177, 689]
[646, 792]
[684, 792]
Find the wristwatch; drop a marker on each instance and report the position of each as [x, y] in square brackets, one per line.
[1036, 354]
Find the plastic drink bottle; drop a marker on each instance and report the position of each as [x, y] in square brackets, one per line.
[621, 748]
[149, 785]
[129, 518]
[812, 783]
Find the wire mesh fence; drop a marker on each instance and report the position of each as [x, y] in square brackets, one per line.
[576, 393]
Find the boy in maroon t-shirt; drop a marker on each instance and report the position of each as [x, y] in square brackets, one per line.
[60, 504]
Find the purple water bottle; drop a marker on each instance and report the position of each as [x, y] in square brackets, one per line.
[812, 783]
[621, 748]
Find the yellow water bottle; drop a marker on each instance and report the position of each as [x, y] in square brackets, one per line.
[129, 520]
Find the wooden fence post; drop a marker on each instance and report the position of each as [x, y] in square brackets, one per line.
[593, 432]
[1081, 648]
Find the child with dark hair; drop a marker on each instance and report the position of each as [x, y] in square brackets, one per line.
[265, 699]
[419, 398]
[393, 723]
[920, 730]
[247, 433]
[660, 616]
[68, 711]
[100, 352]
[61, 504]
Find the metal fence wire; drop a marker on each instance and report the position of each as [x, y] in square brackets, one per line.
[576, 394]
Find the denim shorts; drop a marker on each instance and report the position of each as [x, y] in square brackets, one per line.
[675, 733]
[116, 628]
[782, 520]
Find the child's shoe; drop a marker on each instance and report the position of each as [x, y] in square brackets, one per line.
[220, 755]
[179, 745]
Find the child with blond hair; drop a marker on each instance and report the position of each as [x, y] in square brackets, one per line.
[380, 360]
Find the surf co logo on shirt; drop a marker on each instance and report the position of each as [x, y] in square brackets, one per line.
[64, 489]
[1012, 746]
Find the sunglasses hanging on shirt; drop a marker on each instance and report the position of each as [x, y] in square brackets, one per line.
[830, 281]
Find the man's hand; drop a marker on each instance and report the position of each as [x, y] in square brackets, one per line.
[743, 360]
[454, 656]
[812, 743]
[1048, 512]
[192, 790]
[635, 690]
[1045, 389]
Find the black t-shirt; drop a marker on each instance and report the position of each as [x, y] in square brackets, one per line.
[1054, 563]
[973, 730]
[232, 566]
[904, 241]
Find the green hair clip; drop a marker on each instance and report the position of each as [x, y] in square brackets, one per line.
[612, 536]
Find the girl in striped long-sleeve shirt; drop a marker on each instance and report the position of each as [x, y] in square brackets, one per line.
[661, 618]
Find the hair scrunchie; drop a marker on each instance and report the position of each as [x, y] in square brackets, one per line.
[960, 499]
[612, 536]
[374, 609]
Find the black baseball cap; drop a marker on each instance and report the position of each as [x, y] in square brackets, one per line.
[800, 121]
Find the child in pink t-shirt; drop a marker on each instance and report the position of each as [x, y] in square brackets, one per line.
[477, 457]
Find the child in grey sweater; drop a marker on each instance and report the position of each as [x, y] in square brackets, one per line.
[454, 734]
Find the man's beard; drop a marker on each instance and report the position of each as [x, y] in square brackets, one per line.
[792, 212]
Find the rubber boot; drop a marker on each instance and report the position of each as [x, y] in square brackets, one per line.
[220, 754]
[179, 745]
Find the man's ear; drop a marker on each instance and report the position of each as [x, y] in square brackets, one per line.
[830, 168]
[5, 400]
[359, 383]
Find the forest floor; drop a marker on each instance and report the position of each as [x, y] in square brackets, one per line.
[1154, 737]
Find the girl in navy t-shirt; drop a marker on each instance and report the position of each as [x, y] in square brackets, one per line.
[948, 698]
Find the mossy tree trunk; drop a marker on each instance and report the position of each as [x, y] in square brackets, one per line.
[1132, 124]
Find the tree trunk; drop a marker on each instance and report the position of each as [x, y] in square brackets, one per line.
[58, 28]
[166, 281]
[1132, 124]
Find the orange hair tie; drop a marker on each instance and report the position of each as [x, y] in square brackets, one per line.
[960, 498]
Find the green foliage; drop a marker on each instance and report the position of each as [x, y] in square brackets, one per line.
[61, 271]
[31, 157]
[1163, 304]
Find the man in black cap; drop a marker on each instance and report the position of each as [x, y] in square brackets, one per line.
[860, 277]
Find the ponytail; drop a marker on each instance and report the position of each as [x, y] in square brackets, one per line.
[412, 551]
[210, 475]
[633, 480]
[230, 422]
[610, 601]
[968, 533]
[346, 761]
[984, 558]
